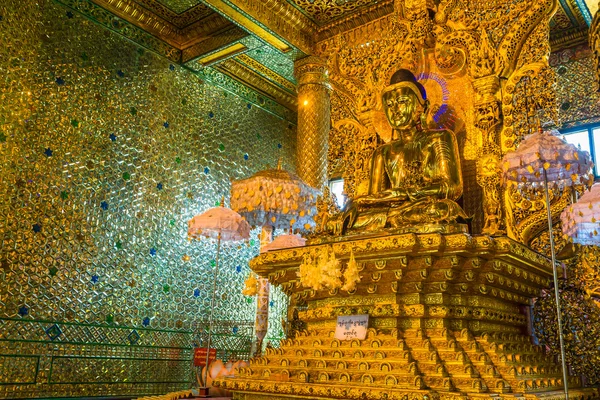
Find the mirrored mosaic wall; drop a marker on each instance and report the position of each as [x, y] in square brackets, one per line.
[106, 151]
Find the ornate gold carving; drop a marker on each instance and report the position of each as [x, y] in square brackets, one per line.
[476, 47]
[581, 327]
[587, 271]
[359, 17]
[323, 11]
[527, 205]
[487, 121]
[576, 87]
[525, 95]
[466, 37]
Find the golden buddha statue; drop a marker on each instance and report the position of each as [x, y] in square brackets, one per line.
[415, 179]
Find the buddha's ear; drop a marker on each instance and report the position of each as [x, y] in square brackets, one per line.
[423, 117]
[426, 105]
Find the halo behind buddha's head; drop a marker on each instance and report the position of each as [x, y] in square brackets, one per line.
[403, 78]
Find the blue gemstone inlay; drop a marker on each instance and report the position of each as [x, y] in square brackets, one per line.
[53, 332]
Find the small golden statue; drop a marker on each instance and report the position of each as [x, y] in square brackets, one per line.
[415, 179]
[326, 206]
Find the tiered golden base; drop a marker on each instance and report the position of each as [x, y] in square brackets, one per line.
[446, 321]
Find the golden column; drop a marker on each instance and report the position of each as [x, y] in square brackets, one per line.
[313, 120]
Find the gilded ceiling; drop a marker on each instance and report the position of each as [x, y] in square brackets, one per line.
[570, 24]
[256, 41]
[178, 12]
[177, 6]
[324, 11]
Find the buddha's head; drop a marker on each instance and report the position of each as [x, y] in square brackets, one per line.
[404, 100]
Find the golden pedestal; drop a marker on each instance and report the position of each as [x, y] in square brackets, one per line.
[446, 321]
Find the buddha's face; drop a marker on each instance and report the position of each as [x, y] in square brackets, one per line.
[400, 107]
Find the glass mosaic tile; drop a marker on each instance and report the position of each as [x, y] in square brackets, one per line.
[106, 151]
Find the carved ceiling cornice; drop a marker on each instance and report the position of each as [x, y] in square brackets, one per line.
[251, 78]
[218, 40]
[267, 73]
[568, 39]
[570, 25]
[203, 29]
[135, 13]
[278, 17]
[356, 19]
[180, 20]
[139, 16]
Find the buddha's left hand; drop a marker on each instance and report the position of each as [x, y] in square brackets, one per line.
[415, 194]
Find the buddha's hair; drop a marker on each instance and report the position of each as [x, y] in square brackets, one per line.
[405, 76]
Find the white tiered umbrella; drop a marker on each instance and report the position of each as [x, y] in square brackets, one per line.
[222, 224]
[544, 159]
[219, 223]
[284, 242]
[581, 220]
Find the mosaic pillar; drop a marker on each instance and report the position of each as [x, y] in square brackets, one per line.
[261, 321]
[313, 120]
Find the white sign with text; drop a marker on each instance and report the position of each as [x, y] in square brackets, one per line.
[352, 327]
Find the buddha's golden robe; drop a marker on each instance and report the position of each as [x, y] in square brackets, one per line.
[413, 187]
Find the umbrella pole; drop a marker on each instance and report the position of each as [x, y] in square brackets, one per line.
[556, 294]
[212, 307]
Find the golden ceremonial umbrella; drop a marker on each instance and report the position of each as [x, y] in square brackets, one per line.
[273, 199]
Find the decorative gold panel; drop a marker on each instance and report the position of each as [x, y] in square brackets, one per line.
[577, 96]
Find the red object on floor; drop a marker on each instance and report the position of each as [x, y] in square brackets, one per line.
[200, 356]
